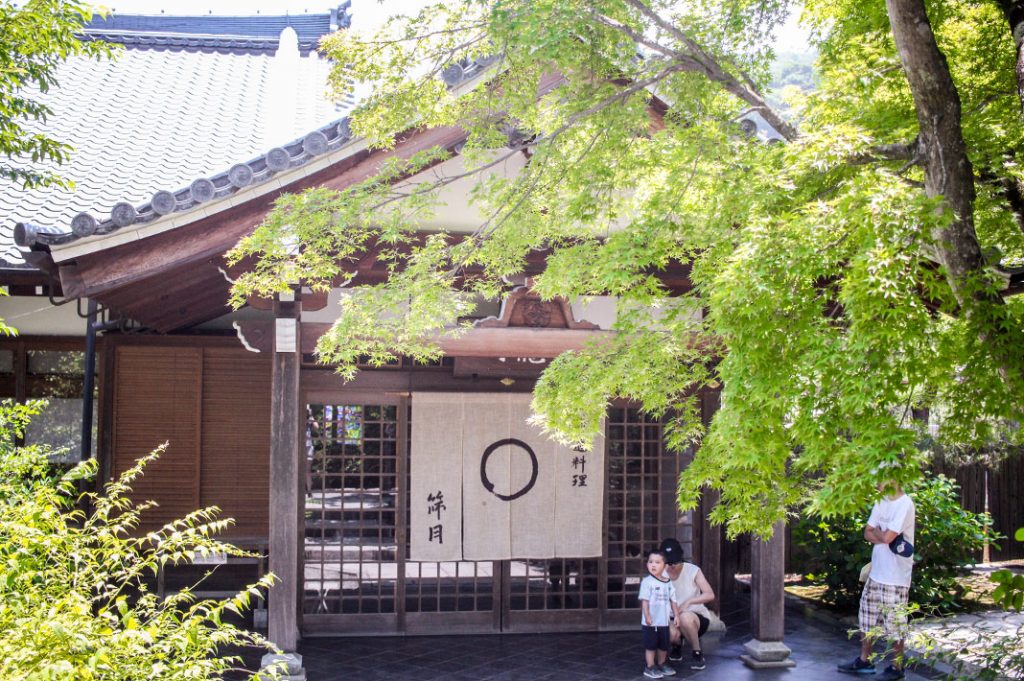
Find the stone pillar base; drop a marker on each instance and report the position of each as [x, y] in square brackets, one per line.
[292, 662]
[767, 655]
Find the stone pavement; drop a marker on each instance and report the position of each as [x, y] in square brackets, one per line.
[818, 645]
[963, 632]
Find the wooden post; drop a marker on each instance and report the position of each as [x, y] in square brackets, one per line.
[729, 560]
[711, 548]
[767, 603]
[285, 479]
[711, 536]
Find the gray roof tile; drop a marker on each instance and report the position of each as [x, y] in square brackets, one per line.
[242, 34]
[153, 120]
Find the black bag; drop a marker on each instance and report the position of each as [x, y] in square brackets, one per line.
[901, 547]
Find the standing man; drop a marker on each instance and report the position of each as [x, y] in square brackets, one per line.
[692, 592]
[884, 599]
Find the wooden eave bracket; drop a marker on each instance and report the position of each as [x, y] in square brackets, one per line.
[311, 301]
[524, 308]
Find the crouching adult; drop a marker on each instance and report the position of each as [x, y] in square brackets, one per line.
[692, 593]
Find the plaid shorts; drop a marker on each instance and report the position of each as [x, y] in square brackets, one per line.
[885, 604]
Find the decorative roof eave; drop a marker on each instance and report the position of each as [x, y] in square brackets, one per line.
[210, 195]
[228, 44]
[240, 179]
[248, 34]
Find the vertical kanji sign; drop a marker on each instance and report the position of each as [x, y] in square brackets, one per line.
[435, 500]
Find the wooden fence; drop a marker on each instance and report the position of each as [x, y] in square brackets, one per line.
[999, 489]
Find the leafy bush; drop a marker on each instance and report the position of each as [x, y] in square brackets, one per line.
[947, 538]
[73, 597]
[1010, 590]
[831, 553]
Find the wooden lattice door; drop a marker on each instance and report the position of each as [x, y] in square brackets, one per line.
[357, 575]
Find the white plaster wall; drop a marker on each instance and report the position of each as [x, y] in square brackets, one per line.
[36, 316]
[600, 310]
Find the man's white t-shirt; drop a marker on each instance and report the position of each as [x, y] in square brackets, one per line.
[896, 515]
[659, 596]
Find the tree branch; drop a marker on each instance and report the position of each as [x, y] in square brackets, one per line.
[907, 151]
[636, 36]
[949, 177]
[710, 67]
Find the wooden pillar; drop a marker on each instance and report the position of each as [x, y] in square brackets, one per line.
[730, 564]
[285, 479]
[711, 539]
[767, 603]
[711, 536]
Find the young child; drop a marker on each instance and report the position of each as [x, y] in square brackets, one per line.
[657, 600]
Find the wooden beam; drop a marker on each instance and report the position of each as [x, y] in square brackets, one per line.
[477, 342]
[322, 383]
[520, 342]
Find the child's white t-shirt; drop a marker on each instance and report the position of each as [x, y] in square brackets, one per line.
[659, 596]
[896, 515]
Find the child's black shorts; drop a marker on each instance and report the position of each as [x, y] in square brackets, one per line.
[655, 638]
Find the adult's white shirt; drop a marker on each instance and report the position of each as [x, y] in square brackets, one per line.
[686, 588]
[896, 515]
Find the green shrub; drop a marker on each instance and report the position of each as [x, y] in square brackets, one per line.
[831, 553]
[73, 597]
[947, 538]
[1009, 591]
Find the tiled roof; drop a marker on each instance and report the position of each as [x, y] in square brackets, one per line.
[199, 188]
[152, 121]
[216, 33]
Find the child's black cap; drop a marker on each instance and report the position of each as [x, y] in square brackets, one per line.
[672, 551]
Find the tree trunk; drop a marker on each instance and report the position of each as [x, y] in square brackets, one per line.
[1013, 10]
[947, 170]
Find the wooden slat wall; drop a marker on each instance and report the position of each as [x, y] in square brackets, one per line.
[972, 482]
[157, 400]
[1000, 490]
[236, 438]
[213, 405]
[1006, 491]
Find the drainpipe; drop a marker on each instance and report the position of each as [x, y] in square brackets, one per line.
[89, 380]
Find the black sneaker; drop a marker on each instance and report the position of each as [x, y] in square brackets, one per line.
[698, 660]
[676, 653]
[857, 666]
[891, 673]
